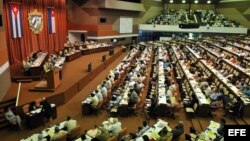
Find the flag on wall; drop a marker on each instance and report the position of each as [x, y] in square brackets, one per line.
[16, 23]
[51, 20]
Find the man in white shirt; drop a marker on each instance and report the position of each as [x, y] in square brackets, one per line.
[99, 95]
[169, 93]
[12, 118]
[70, 124]
[115, 127]
[108, 83]
[104, 91]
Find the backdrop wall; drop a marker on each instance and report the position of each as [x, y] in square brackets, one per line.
[20, 48]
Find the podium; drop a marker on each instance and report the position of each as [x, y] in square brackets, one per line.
[53, 79]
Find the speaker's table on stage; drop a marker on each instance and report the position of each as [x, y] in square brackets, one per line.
[36, 67]
[53, 79]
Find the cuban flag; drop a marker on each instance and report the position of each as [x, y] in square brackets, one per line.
[51, 20]
[16, 23]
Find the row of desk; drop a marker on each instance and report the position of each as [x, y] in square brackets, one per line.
[190, 83]
[86, 103]
[232, 68]
[221, 82]
[153, 132]
[162, 108]
[123, 105]
[47, 133]
[85, 51]
[36, 68]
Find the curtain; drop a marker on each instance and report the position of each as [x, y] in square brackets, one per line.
[20, 48]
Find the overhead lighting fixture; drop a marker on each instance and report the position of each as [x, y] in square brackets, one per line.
[183, 1]
[209, 1]
[171, 1]
[196, 1]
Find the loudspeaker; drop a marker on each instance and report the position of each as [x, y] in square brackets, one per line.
[102, 20]
[89, 67]
[80, 2]
[1, 22]
[189, 25]
[103, 58]
[111, 52]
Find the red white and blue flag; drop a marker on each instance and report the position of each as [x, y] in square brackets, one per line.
[51, 20]
[16, 23]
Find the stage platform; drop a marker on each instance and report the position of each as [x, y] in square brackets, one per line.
[75, 76]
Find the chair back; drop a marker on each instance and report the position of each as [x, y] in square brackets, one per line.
[38, 102]
[26, 108]
[75, 132]
[113, 138]
[62, 138]
[195, 106]
[122, 133]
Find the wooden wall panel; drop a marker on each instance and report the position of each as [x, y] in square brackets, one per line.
[4, 83]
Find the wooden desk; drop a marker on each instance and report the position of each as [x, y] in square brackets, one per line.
[36, 118]
[36, 68]
[87, 51]
[73, 56]
[190, 84]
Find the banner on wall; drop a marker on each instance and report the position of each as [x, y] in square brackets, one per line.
[51, 20]
[35, 21]
[15, 17]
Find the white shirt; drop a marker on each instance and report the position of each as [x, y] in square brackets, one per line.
[116, 128]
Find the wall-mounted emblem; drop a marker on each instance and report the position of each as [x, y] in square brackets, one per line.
[35, 21]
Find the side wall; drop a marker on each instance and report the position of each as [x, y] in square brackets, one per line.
[239, 11]
[87, 16]
[4, 63]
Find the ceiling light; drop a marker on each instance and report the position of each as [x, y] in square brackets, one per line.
[209, 1]
[171, 1]
[183, 1]
[196, 1]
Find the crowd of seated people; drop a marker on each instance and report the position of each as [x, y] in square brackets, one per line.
[160, 131]
[232, 77]
[214, 19]
[56, 132]
[102, 94]
[88, 44]
[219, 96]
[208, 18]
[168, 17]
[54, 61]
[130, 90]
[29, 61]
[109, 129]
[214, 131]
[93, 44]
[162, 91]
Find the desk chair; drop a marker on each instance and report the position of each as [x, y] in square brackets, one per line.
[191, 110]
[113, 138]
[38, 102]
[62, 138]
[26, 109]
[235, 114]
[122, 133]
[75, 132]
[97, 108]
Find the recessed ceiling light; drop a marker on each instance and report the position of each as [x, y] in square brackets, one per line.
[196, 1]
[183, 1]
[171, 1]
[208, 1]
